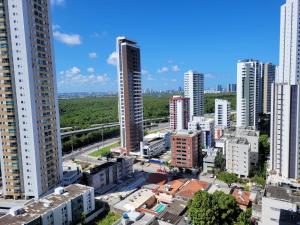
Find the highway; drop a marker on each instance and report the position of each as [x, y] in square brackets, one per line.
[82, 152]
[101, 126]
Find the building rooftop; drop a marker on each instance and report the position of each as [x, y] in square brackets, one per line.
[241, 197]
[43, 205]
[174, 212]
[240, 141]
[172, 187]
[190, 188]
[282, 193]
[185, 133]
[157, 178]
[135, 200]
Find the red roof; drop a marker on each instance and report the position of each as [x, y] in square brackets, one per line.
[191, 187]
[241, 197]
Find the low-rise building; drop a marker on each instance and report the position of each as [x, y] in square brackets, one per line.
[243, 198]
[166, 193]
[206, 126]
[186, 149]
[190, 188]
[209, 162]
[65, 206]
[280, 205]
[153, 145]
[72, 173]
[238, 156]
[104, 176]
[174, 213]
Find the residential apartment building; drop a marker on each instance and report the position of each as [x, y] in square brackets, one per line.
[249, 92]
[238, 156]
[104, 176]
[130, 94]
[30, 146]
[179, 112]
[206, 126]
[280, 205]
[285, 108]
[194, 90]
[222, 113]
[186, 149]
[268, 78]
[65, 206]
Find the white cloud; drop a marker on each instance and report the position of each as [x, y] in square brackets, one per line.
[209, 76]
[55, 27]
[99, 35]
[173, 80]
[90, 70]
[150, 77]
[163, 70]
[145, 72]
[57, 2]
[93, 55]
[113, 59]
[175, 68]
[74, 76]
[68, 39]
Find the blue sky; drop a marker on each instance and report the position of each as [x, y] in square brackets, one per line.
[174, 35]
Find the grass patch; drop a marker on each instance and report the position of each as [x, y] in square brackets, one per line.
[104, 151]
[109, 219]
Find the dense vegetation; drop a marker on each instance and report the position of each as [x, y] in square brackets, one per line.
[81, 113]
[109, 219]
[217, 208]
[84, 112]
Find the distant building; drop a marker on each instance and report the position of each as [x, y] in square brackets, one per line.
[218, 133]
[194, 90]
[231, 88]
[102, 177]
[222, 113]
[269, 71]
[206, 126]
[219, 88]
[249, 96]
[280, 205]
[238, 156]
[130, 94]
[179, 113]
[64, 206]
[186, 149]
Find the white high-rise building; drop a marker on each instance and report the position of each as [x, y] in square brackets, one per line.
[249, 92]
[194, 90]
[285, 107]
[222, 113]
[30, 146]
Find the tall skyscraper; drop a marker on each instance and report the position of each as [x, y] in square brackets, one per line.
[179, 113]
[249, 94]
[285, 104]
[222, 113]
[30, 147]
[268, 77]
[130, 94]
[194, 90]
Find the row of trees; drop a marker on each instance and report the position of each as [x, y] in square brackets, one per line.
[217, 208]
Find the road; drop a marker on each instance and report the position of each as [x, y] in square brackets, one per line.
[82, 152]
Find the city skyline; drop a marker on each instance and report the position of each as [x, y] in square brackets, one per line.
[93, 45]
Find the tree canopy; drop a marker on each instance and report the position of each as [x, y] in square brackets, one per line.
[210, 209]
[228, 178]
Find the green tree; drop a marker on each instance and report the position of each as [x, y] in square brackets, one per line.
[220, 162]
[244, 218]
[228, 178]
[209, 209]
[259, 180]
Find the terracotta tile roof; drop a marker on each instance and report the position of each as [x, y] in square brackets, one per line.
[191, 187]
[173, 186]
[241, 197]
